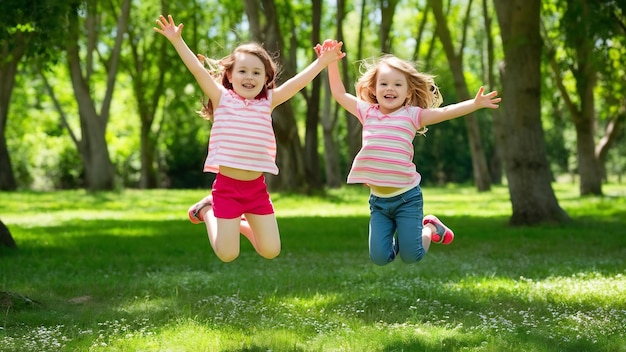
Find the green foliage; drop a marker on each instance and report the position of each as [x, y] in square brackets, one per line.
[127, 271]
[442, 156]
[36, 25]
[185, 148]
[214, 28]
[570, 29]
[437, 156]
[42, 153]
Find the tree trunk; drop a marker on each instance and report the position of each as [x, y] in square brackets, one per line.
[521, 134]
[288, 153]
[148, 91]
[387, 10]
[93, 148]
[5, 236]
[334, 178]
[8, 70]
[579, 20]
[611, 134]
[148, 179]
[312, 171]
[482, 178]
[589, 167]
[496, 160]
[99, 172]
[7, 177]
[353, 126]
[289, 148]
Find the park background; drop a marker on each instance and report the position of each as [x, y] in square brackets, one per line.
[97, 112]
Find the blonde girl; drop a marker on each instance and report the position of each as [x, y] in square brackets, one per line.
[393, 102]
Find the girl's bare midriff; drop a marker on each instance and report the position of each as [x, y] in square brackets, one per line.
[239, 174]
[383, 189]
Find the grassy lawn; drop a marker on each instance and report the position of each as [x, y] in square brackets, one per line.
[127, 272]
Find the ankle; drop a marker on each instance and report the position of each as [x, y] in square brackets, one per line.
[202, 212]
[432, 228]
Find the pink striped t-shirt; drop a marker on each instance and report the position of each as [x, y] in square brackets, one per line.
[386, 155]
[242, 135]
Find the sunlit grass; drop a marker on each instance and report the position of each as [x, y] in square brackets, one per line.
[127, 272]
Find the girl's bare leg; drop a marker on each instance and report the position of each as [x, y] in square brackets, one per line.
[246, 230]
[427, 234]
[226, 245]
[197, 211]
[263, 234]
[223, 235]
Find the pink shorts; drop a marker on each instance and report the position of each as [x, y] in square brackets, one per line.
[232, 198]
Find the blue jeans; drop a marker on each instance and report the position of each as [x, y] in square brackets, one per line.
[402, 214]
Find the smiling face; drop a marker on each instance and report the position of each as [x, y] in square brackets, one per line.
[391, 89]
[247, 76]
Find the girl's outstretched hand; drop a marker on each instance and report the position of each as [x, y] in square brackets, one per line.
[329, 51]
[489, 100]
[167, 27]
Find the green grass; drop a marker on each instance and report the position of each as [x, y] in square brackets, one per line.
[127, 272]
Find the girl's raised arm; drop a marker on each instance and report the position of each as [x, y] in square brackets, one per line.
[433, 116]
[174, 34]
[299, 81]
[338, 90]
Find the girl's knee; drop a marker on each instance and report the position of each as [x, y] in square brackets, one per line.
[413, 257]
[380, 260]
[227, 256]
[267, 243]
[270, 254]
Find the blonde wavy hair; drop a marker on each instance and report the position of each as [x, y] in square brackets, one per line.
[422, 90]
[219, 69]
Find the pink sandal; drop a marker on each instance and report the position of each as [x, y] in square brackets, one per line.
[194, 211]
[443, 234]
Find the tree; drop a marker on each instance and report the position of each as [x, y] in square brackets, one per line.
[586, 34]
[147, 58]
[482, 179]
[28, 28]
[387, 10]
[353, 126]
[5, 236]
[289, 148]
[330, 117]
[496, 161]
[92, 146]
[521, 134]
[145, 63]
[312, 170]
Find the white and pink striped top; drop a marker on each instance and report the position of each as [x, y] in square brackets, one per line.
[386, 156]
[242, 135]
